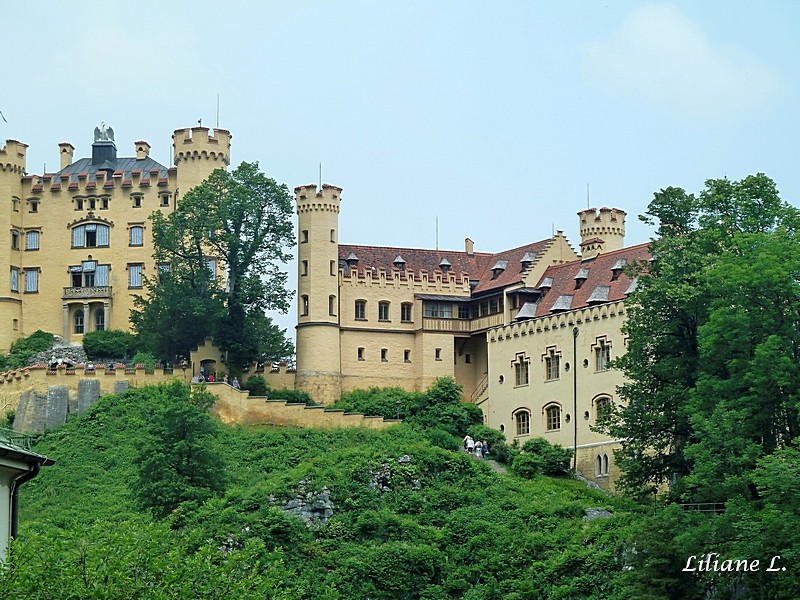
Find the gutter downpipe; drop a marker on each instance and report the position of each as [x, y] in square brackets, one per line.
[25, 477]
[575, 332]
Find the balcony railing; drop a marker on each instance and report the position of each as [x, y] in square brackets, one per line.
[20, 440]
[102, 291]
[455, 325]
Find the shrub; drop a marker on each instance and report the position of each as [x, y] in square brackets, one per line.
[257, 385]
[552, 459]
[291, 396]
[498, 450]
[145, 358]
[109, 343]
[23, 348]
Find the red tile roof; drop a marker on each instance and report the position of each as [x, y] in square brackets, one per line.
[416, 259]
[599, 275]
[512, 273]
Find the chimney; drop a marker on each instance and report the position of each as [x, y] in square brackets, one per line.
[102, 151]
[66, 151]
[469, 247]
[142, 150]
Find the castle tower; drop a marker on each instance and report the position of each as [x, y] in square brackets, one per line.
[196, 153]
[602, 230]
[12, 210]
[318, 349]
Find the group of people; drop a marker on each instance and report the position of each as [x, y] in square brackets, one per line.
[211, 379]
[479, 448]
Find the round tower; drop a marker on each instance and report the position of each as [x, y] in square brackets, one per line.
[602, 230]
[12, 209]
[196, 153]
[318, 351]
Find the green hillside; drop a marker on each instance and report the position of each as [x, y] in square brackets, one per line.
[390, 515]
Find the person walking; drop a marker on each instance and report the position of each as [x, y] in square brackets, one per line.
[470, 445]
[235, 383]
[485, 448]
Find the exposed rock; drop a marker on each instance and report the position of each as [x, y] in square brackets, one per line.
[61, 353]
[596, 513]
[313, 508]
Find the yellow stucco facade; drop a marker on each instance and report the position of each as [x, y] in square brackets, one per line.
[497, 323]
[80, 243]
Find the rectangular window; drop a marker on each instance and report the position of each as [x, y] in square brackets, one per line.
[92, 203]
[438, 310]
[101, 275]
[602, 355]
[31, 280]
[407, 356]
[304, 236]
[136, 235]
[552, 364]
[383, 311]
[212, 268]
[135, 276]
[34, 206]
[463, 311]
[303, 305]
[78, 204]
[361, 310]
[303, 267]
[438, 354]
[137, 201]
[165, 200]
[521, 373]
[14, 279]
[104, 204]
[14, 239]
[405, 312]
[32, 240]
[361, 354]
[384, 355]
[553, 418]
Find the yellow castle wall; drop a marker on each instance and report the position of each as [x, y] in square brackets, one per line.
[532, 339]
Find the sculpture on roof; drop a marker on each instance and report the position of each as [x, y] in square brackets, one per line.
[103, 133]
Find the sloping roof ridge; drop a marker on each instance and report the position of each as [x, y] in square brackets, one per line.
[401, 249]
[546, 242]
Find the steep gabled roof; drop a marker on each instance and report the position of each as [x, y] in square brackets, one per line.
[416, 259]
[512, 274]
[599, 286]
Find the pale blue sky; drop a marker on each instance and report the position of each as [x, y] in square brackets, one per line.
[492, 116]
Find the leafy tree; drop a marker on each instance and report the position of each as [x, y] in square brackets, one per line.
[540, 456]
[178, 462]
[239, 221]
[713, 332]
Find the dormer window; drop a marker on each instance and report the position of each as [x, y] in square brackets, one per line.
[527, 260]
[399, 263]
[352, 260]
[546, 284]
[582, 276]
[616, 270]
[498, 268]
[444, 265]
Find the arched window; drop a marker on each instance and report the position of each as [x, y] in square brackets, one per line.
[553, 418]
[303, 305]
[99, 319]
[332, 306]
[522, 418]
[602, 408]
[78, 321]
[598, 469]
[605, 464]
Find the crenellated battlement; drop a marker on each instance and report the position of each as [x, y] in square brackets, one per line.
[601, 230]
[12, 157]
[558, 321]
[420, 281]
[199, 143]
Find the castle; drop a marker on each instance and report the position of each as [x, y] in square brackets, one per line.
[528, 332]
[80, 244]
